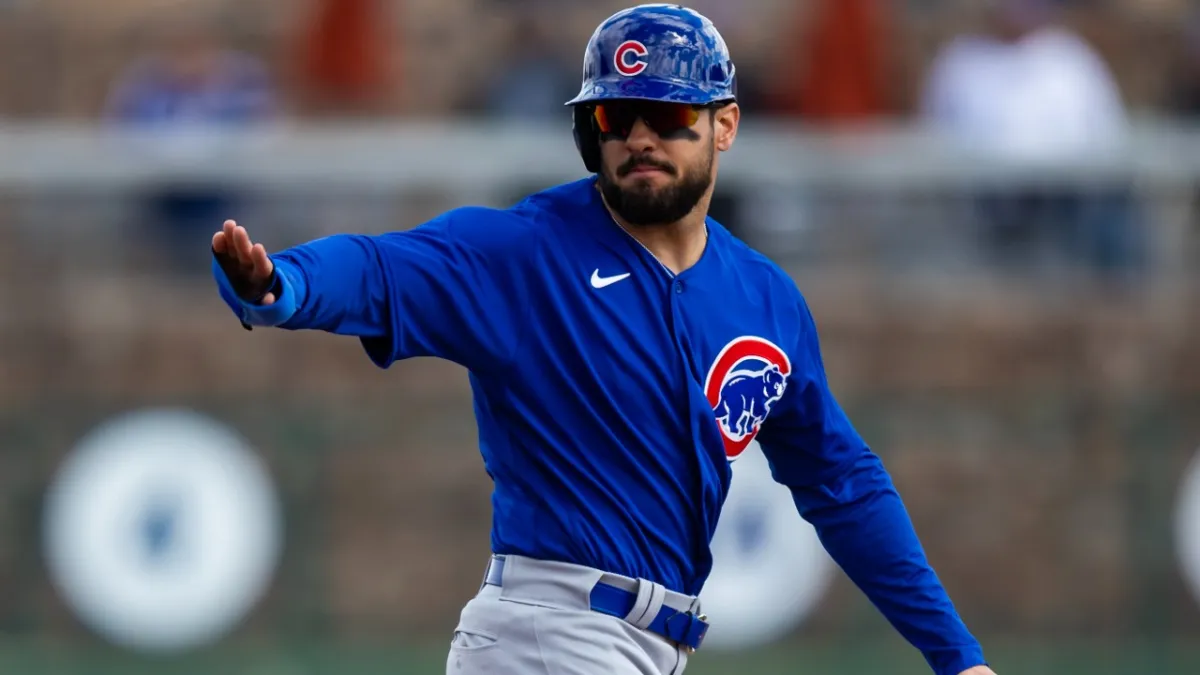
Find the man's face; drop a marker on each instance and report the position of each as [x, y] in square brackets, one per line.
[659, 159]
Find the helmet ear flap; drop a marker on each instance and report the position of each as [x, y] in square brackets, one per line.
[587, 138]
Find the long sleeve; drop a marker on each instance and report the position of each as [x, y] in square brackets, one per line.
[447, 289]
[842, 488]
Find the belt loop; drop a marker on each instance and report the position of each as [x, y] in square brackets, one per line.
[694, 610]
[649, 601]
[494, 573]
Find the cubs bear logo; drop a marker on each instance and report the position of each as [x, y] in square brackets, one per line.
[630, 58]
[746, 379]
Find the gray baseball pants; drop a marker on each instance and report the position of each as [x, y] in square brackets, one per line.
[533, 617]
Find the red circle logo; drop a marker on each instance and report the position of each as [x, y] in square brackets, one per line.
[746, 379]
[629, 58]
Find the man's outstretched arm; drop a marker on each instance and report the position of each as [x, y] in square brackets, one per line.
[842, 488]
[450, 288]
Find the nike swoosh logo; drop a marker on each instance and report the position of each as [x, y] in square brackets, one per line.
[600, 282]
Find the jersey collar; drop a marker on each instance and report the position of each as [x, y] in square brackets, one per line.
[613, 236]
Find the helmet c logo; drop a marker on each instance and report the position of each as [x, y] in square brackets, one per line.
[629, 58]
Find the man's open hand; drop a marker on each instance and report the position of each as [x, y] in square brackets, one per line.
[245, 263]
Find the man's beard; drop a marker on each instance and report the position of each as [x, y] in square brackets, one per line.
[643, 205]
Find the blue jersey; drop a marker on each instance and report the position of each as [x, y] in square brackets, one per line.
[612, 395]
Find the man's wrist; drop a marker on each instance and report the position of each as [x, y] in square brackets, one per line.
[955, 661]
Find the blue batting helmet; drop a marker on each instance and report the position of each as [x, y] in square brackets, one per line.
[651, 52]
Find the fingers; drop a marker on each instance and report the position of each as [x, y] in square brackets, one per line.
[222, 240]
[246, 263]
[261, 261]
[242, 244]
[233, 240]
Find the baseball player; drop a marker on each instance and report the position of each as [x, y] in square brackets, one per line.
[623, 349]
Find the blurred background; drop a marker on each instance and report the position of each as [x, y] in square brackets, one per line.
[990, 204]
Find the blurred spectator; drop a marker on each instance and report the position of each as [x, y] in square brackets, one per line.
[1030, 89]
[837, 62]
[189, 82]
[346, 57]
[535, 80]
[1027, 88]
[190, 79]
[1184, 96]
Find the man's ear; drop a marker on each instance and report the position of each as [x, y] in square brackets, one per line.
[725, 125]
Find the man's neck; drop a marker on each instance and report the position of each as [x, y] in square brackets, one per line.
[677, 245]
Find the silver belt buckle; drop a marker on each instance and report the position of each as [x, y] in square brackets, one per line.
[704, 618]
[690, 649]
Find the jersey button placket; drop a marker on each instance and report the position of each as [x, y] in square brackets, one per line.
[677, 325]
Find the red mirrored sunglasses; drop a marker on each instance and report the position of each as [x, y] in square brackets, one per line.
[618, 117]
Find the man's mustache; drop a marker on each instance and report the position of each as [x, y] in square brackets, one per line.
[638, 162]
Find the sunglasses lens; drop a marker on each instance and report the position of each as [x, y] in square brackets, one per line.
[668, 117]
[618, 118]
[602, 119]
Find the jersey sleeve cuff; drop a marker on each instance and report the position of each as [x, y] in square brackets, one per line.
[955, 661]
[291, 291]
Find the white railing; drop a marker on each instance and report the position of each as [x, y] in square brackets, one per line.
[779, 171]
[462, 156]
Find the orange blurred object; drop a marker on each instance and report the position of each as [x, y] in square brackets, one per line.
[844, 49]
[345, 53]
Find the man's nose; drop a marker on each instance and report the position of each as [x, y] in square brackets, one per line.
[641, 137]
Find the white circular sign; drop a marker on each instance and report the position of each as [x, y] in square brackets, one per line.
[1187, 526]
[162, 530]
[769, 568]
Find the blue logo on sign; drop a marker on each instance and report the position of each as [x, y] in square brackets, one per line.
[750, 526]
[158, 528]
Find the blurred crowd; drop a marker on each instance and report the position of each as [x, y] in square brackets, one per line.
[1021, 79]
[962, 62]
